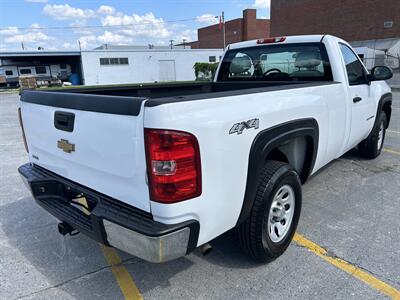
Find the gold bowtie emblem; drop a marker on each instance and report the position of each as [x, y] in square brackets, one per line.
[66, 146]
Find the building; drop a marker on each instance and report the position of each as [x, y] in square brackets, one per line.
[44, 65]
[242, 29]
[107, 64]
[352, 20]
[134, 64]
[365, 24]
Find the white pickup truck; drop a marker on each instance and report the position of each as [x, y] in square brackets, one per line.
[158, 170]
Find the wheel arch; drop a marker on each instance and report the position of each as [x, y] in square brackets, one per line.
[384, 105]
[270, 140]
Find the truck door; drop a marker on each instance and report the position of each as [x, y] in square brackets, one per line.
[359, 95]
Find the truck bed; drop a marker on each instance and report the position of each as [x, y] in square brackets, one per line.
[127, 99]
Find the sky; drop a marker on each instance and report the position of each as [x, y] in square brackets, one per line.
[59, 25]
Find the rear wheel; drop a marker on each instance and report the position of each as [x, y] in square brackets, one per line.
[268, 231]
[372, 146]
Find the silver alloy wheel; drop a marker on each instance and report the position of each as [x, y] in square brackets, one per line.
[380, 135]
[281, 213]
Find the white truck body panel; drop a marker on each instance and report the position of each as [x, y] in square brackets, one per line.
[110, 157]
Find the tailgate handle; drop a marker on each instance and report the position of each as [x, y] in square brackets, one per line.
[64, 121]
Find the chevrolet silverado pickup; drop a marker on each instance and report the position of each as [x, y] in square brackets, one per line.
[158, 170]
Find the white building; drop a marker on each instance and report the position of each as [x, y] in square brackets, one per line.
[130, 64]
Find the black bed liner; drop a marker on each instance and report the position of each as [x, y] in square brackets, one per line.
[127, 100]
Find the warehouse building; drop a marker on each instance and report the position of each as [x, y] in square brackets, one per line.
[106, 64]
[44, 65]
[127, 64]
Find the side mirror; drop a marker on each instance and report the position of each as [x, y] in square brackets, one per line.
[381, 73]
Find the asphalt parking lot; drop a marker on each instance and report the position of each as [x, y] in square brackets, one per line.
[350, 210]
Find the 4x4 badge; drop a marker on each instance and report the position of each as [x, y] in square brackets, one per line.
[239, 127]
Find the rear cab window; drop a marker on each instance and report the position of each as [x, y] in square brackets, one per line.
[284, 62]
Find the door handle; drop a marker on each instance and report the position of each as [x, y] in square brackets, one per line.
[357, 99]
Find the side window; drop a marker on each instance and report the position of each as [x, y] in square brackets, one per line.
[354, 68]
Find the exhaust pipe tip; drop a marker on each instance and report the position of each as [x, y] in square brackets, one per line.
[205, 249]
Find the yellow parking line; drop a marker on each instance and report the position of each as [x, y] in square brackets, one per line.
[392, 131]
[124, 279]
[347, 267]
[391, 151]
[121, 274]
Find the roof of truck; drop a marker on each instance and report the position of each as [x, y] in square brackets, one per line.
[287, 39]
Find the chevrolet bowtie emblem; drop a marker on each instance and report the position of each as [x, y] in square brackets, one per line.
[65, 146]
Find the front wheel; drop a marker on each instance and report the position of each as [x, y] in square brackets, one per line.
[372, 146]
[268, 231]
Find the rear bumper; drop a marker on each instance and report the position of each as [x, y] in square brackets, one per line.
[109, 221]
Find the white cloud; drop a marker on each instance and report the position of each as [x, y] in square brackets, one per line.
[145, 26]
[188, 35]
[36, 1]
[66, 12]
[263, 4]
[113, 38]
[208, 19]
[29, 37]
[88, 41]
[11, 30]
[106, 10]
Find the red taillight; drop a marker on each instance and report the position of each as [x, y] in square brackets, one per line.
[22, 129]
[173, 165]
[271, 40]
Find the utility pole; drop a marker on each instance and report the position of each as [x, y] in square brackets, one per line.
[184, 43]
[171, 43]
[223, 28]
[22, 45]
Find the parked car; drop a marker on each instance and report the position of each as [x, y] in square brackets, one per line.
[158, 170]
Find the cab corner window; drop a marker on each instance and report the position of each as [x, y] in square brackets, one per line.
[355, 70]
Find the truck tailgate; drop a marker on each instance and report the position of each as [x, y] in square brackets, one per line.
[94, 140]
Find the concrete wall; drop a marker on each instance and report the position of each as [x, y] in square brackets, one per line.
[352, 20]
[143, 65]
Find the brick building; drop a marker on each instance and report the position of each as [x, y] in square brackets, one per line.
[242, 29]
[352, 20]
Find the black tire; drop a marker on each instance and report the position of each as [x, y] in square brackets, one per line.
[253, 234]
[371, 147]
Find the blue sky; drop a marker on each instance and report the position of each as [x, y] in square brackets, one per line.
[96, 22]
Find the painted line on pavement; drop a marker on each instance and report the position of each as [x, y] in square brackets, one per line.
[391, 151]
[121, 274]
[392, 131]
[348, 267]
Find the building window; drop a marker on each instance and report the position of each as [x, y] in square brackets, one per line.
[388, 24]
[9, 73]
[212, 59]
[40, 70]
[123, 61]
[63, 66]
[104, 61]
[114, 61]
[25, 71]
